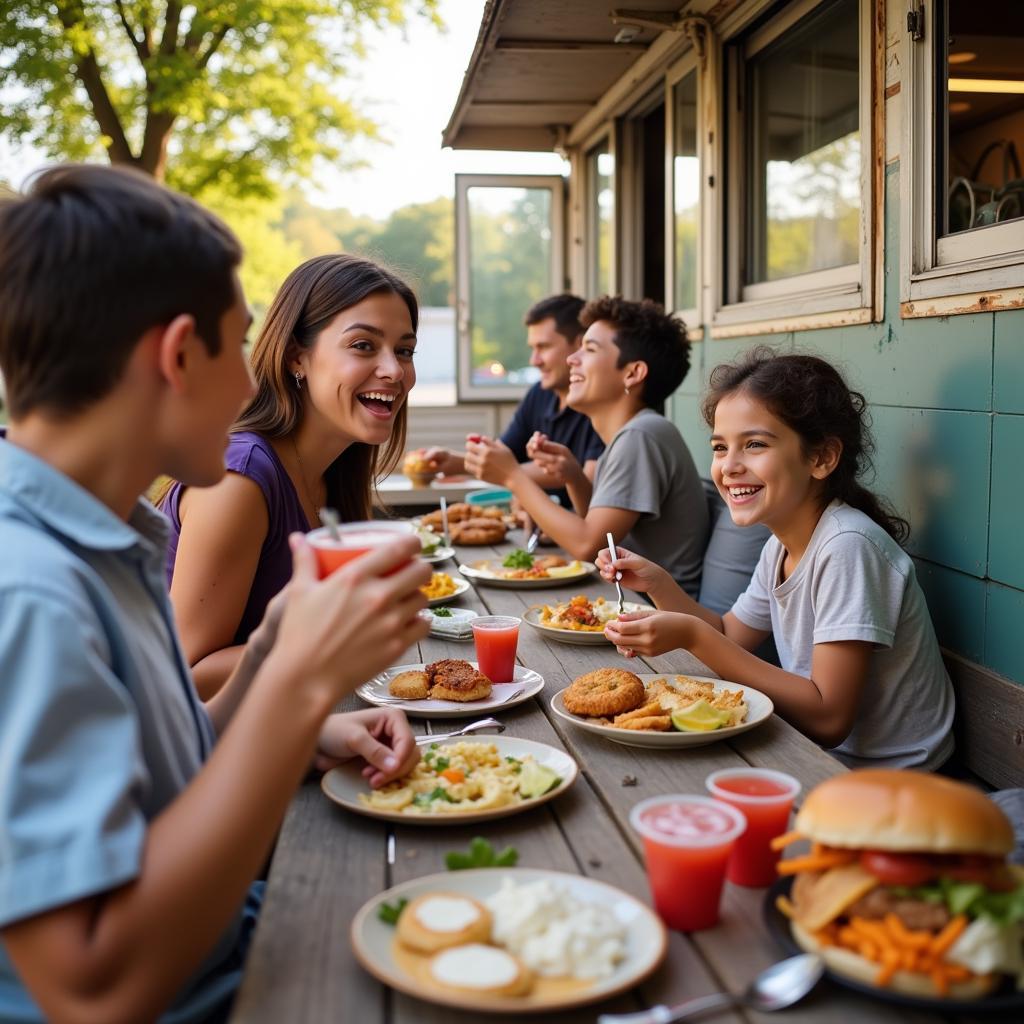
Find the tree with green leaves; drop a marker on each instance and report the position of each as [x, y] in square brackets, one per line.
[222, 96]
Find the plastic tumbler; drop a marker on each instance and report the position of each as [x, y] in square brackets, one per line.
[355, 539]
[687, 842]
[765, 798]
[496, 638]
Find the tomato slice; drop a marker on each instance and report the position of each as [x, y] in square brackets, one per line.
[898, 868]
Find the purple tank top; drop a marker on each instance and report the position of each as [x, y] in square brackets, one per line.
[252, 456]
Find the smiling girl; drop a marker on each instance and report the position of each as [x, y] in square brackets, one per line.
[333, 367]
[861, 669]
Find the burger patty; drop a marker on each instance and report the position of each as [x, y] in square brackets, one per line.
[917, 915]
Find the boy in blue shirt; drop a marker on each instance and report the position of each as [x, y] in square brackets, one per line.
[132, 820]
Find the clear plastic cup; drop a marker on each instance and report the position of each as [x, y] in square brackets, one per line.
[355, 539]
[496, 638]
[687, 842]
[765, 798]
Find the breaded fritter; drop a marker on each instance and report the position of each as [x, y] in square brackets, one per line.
[412, 685]
[605, 691]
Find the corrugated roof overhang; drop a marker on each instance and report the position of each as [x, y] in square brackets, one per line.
[538, 67]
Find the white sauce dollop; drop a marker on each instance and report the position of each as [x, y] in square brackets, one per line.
[446, 913]
[474, 966]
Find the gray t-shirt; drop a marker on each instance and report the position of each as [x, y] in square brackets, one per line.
[855, 582]
[647, 468]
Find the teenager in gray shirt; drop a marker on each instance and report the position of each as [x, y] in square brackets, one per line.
[861, 671]
[646, 489]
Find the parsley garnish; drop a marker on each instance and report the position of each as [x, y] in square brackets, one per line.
[441, 764]
[389, 913]
[517, 765]
[518, 559]
[443, 613]
[481, 855]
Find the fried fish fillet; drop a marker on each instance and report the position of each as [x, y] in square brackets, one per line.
[455, 679]
[412, 685]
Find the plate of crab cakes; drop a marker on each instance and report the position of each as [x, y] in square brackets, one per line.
[449, 688]
[661, 710]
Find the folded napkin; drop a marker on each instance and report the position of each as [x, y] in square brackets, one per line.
[452, 629]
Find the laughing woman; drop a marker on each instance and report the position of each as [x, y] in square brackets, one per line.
[333, 368]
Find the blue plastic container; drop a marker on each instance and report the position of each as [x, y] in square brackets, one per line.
[500, 497]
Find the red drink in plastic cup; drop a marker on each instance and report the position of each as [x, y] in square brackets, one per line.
[496, 638]
[687, 842]
[355, 539]
[765, 798]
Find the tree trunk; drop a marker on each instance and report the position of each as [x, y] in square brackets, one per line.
[153, 159]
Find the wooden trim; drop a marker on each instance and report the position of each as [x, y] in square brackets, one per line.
[783, 325]
[974, 302]
[989, 722]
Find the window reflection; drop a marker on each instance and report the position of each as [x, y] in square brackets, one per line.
[600, 220]
[686, 192]
[981, 111]
[803, 137]
[510, 269]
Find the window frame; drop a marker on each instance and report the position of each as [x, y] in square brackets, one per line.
[466, 390]
[833, 296]
[978, 265]
[688, 64]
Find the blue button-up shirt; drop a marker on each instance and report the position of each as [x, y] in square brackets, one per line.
[100, 726]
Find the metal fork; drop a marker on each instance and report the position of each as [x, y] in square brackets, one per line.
[618, 575]
[533, 540]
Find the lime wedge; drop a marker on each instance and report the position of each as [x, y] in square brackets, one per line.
[572, 569]
[537, 779]
[700, 717]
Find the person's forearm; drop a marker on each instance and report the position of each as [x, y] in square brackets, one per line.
[668, 596]
[580, 490]
[565, 527]
[796, 698]
[146, 938]
[210, 673]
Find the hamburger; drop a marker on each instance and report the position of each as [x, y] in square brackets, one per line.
[906, 884]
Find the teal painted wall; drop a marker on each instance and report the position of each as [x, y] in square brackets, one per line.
[946, 399]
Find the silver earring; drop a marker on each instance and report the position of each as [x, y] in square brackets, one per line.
[627, 389]
[298, 380]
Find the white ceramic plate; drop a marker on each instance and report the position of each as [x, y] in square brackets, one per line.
[442, 554]
[646, 940]
[759, 709]
[482, 572]
[461, 586]
[344, 784]
[524, 679]
[574, 636]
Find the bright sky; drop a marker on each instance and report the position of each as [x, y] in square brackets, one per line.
[408, 84]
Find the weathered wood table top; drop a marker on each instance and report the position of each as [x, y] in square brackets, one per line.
[328, 862]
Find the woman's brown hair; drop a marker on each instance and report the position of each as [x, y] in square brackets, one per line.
[810, 396]
[312, 295]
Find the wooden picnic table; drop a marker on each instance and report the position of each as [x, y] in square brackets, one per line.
[329, 862]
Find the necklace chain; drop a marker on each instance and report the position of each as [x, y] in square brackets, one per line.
[305, 482]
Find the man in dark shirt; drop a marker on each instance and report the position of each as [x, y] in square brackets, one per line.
[553, 332]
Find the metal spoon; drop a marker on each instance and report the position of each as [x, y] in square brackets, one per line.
[775, 988]
[330, 519]
[484, 724]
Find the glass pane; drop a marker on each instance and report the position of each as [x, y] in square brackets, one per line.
[804, 146]
[686, 192]
[509, 270]
[600, 219]
[981, 112]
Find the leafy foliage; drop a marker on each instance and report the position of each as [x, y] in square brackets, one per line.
[221, 97]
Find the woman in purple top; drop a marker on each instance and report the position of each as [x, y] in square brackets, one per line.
[333, 366]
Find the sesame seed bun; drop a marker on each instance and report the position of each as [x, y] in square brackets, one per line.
[883, 809]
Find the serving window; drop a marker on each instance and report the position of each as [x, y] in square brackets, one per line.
[798, 142]
[962, 184]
